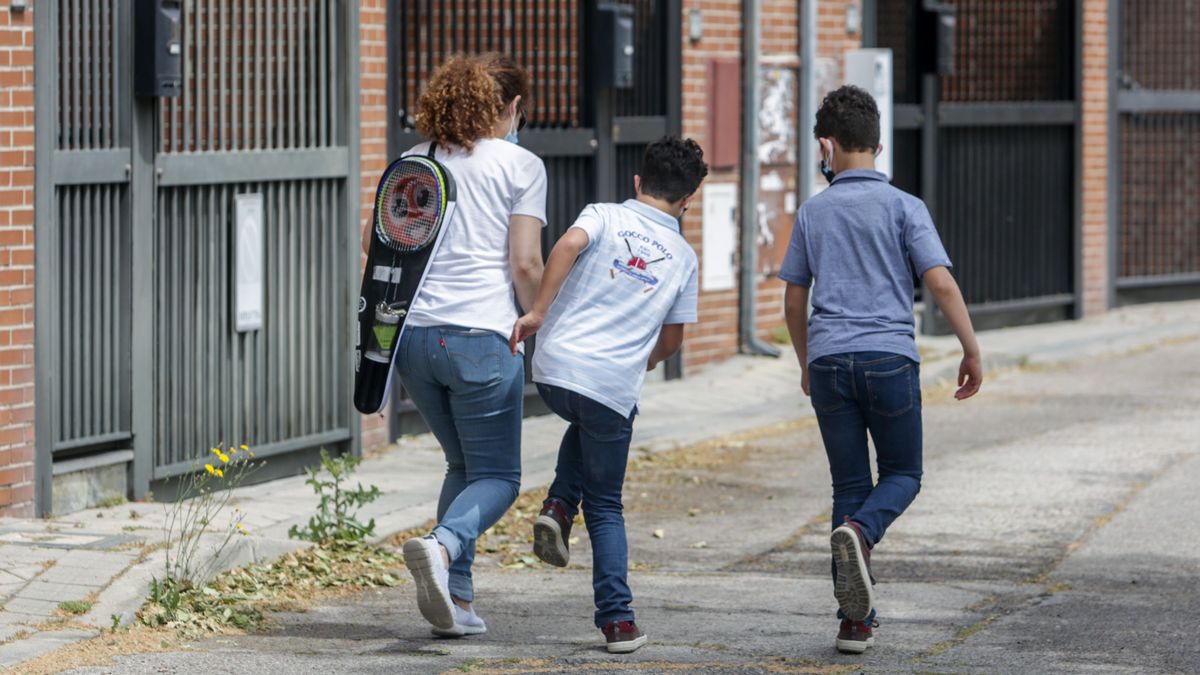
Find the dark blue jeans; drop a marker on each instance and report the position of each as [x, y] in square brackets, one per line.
[591, 469]
[470, 390]
[878, 393]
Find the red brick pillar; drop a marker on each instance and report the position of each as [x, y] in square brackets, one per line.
[1094, 237]
[16, 263]
[373, 114]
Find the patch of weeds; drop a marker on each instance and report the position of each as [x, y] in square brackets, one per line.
[335, 520]
[110, 502]
[75, 607]
[239, 599]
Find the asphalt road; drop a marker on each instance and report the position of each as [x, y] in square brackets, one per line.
[1055, 532]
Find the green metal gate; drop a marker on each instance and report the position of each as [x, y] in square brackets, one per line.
[138, 358]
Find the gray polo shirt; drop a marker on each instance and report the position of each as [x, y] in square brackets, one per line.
[861, 240]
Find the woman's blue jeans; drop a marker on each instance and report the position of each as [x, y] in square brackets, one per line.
[878, 393]
[470, 389]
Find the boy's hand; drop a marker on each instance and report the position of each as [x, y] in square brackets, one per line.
[525, 327]
[804, 379]
[970, 377]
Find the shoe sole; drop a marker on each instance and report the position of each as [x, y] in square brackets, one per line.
[853, 585]
[854, 646]
[548, 544]
[459, 630]
[432, 600]
[627, 646]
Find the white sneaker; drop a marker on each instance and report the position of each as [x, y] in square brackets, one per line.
[423, 557]
[466, 622]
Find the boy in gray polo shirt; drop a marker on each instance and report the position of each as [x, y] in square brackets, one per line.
[616, 291]
[858, 244]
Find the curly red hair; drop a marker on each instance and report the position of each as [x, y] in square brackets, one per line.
[466, 95]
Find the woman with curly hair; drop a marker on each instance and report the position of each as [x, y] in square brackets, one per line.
[453, 357]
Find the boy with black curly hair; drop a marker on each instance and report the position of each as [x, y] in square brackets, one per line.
[858, 244]
[617, 289]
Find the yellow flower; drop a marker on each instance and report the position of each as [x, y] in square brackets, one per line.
[216, 451]
[245, 447]
[209, 468]
[220, 473]
[224, 458]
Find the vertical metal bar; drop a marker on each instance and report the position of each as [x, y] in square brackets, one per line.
[225, 369]
[187, 102]
[348, 201]
[142, 319]
[268, 48]
[1115, 164]
[223, 65]
[258, 74]
[95, 99]
[292, 101]
[211, 89]
[303, 102]
[241, 86]
[76, 96]
[429, 38]
[323, 102]
[340, 51]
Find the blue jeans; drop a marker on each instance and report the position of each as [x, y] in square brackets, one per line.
[591, 469]
[470, 390]
[879, 393]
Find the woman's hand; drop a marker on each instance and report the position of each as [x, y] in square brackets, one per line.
[525, 327]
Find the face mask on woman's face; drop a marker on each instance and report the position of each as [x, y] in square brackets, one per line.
[512, 129]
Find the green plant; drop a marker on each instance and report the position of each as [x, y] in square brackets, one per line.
[116, 622]
[75, 606]
[201, 496]
[335, 520]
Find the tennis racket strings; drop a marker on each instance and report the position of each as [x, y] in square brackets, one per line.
[411, 204]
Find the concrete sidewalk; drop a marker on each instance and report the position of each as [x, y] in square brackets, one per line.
[98, 555]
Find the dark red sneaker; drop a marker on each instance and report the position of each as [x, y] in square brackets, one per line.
[551, 532]
[855, 636]
[623, 637]
[852, 588]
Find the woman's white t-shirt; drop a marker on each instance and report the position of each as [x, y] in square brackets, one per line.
[469, 281]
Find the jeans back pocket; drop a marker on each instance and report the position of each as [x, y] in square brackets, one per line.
[891, 392]
[823, 387]
[476, 357]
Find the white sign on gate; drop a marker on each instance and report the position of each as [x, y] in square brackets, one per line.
[248, 262]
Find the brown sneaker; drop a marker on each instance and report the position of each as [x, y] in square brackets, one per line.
[855, 636]
[623, 637]
[852, 588]
[551, 531]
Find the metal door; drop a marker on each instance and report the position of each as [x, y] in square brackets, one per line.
[591, 139]
[993, 149]
[136, 348]
[1155, 184]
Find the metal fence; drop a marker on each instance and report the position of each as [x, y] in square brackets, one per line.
[992, 149]
[136, 347]
[591, 139]
[1156, 178]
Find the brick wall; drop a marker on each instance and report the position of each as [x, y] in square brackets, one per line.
[715, 336]
[1095, 157]
[16, 263]
[373, 144]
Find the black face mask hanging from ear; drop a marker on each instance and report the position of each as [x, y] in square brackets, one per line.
[825, 168]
